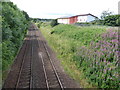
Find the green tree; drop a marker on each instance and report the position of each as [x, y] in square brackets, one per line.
[105, 14]
[112, 20]
[14, 27]
[26, 15]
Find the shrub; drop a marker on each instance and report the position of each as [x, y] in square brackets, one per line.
[14, 27]
[111, 20]
[54, 22]
[118, 21]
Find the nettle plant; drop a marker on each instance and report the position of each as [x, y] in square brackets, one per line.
[100, 61]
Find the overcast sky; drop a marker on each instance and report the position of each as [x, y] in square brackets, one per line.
[60, 8]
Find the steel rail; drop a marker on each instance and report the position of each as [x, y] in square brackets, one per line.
[21, 68]
[43, 64]
[54, 69]
[31, 79]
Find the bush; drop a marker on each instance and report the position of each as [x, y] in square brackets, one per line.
[83, 24]
[14, 27]
[111, 20]
[54, 22]
[98, 22]
[118, 21]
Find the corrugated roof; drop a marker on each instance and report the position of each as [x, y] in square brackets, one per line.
[87, 15]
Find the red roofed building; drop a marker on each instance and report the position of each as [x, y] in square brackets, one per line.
[78, 18]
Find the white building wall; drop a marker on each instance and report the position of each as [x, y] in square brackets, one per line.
[64, 21]
[82, 19]
[59, 20]
[90, 18]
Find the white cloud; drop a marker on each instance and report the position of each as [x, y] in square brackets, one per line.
[50, 8]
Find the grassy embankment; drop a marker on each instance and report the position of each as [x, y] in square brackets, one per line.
[88, 54]
[65, 40]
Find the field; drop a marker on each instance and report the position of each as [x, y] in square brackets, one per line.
[88, 54]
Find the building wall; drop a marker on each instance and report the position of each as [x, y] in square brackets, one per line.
[85, 18]
[73, 20]
[64, 21]
[90, 18]
[82, 18]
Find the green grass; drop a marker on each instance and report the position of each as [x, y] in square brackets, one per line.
[82, 34]
[65, 40]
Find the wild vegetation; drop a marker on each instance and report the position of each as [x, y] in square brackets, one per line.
[14, 27]
[99, 62]
[54, 22]
[111, 20]
[107, 19]
[88, 53]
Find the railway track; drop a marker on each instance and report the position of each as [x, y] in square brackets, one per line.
[52, 77]
[33, 67]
